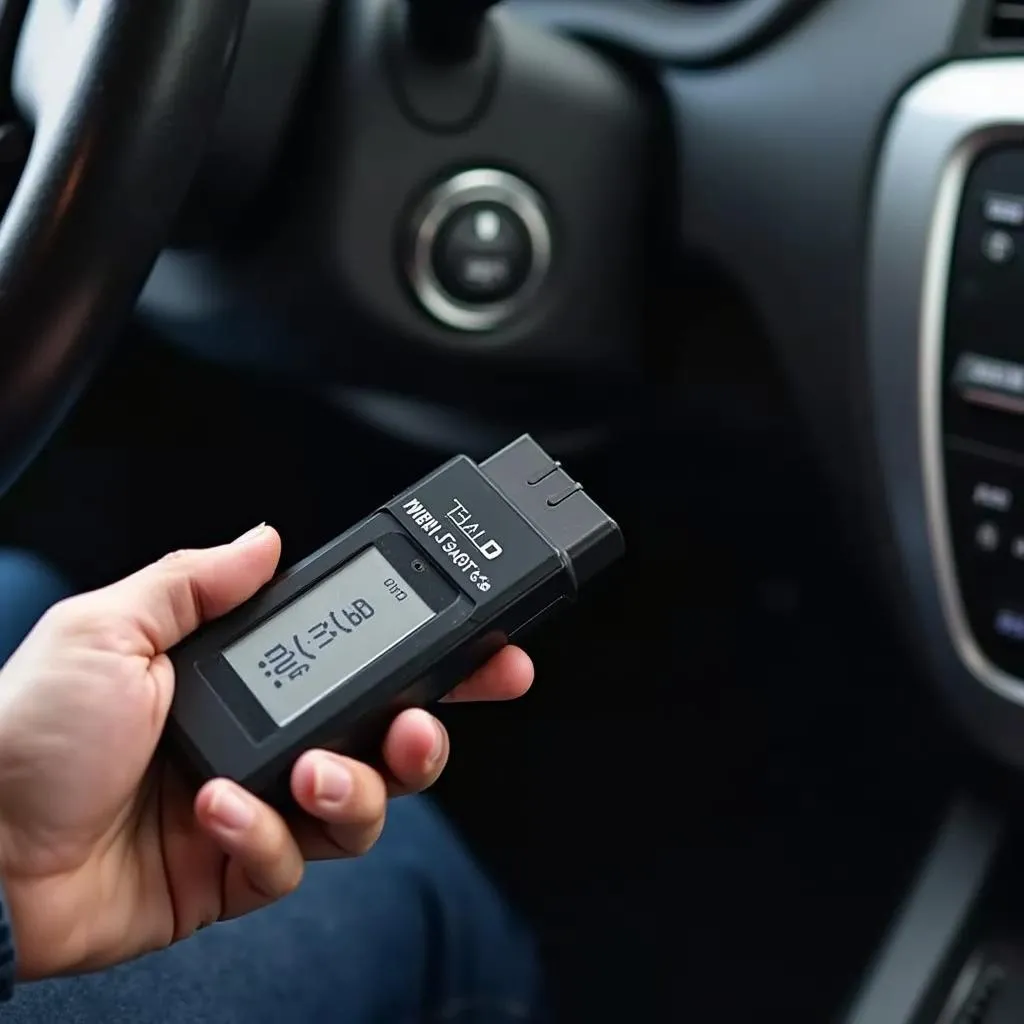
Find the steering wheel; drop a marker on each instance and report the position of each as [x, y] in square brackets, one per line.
[116, 142]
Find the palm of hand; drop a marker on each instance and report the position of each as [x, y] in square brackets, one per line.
[121, 868]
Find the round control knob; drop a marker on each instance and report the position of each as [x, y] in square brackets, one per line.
[481, 250]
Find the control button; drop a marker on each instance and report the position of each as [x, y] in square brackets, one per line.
[482, 254]
[998, 247]
[1008, 623]
[1004, 209]
[987, 537]
[992, 497]
[994, 383]
[480, 250]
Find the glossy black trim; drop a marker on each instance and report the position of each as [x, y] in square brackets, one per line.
[416, 571]
[675, 32]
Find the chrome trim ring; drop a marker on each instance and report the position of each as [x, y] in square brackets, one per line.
[477, 186]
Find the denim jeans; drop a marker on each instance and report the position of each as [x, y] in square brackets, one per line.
[413, 932]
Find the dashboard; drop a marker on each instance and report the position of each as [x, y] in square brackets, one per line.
[853, 168]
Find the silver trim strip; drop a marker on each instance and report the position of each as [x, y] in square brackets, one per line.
[931, 921]
[477, 186]
[938, 127]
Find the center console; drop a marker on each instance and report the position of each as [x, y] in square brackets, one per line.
[945, 333]
[955, 952]
[982, 418]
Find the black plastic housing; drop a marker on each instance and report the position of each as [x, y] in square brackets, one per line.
[539, 524]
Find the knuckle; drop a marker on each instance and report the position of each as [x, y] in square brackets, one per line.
[182, 594]
[418, 782]
[66, 613]
[363, 840]
[376, 804]
[372, 810]
[291, 878]
[276, 878]
[413, 784]
[174, 559]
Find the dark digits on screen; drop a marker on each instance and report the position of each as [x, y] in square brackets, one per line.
[290, 658]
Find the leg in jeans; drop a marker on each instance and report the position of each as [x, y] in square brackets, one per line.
[27, 588]
[411, 933]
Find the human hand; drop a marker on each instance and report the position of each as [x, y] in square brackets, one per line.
[105, 853]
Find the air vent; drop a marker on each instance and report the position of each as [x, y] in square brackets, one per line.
[1007, 20]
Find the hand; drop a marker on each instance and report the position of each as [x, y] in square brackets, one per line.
[105, 853]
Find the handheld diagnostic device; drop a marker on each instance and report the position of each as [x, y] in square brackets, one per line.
[392, 614]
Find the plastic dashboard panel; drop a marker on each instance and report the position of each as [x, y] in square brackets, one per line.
[941, 125]
[696, 33]
[823, 173]
[779, 179]
[779, 158]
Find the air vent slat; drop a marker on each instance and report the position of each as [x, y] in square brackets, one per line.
[1007, 20]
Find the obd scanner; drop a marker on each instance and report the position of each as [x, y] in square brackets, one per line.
[391, 614]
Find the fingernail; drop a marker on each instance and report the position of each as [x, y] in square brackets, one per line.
[332, 783]
[250, 534]
[437, 747]
[232, 810]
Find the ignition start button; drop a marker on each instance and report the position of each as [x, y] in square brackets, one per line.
[483, 254]
[481, 250]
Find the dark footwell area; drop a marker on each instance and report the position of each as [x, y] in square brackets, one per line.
[724, 784]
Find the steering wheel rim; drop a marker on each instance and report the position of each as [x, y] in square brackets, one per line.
[110, 164]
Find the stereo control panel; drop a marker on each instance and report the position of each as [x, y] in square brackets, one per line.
[983, 405]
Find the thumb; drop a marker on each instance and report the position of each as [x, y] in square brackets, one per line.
[171, 598]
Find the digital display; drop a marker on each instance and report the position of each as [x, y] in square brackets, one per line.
[326, 636]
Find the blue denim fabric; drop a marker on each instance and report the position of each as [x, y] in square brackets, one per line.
[27, 588]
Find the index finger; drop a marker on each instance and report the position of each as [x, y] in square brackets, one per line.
[507, 676]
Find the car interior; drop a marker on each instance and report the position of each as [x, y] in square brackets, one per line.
[750, 268]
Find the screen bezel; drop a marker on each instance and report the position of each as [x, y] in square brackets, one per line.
[408, 562]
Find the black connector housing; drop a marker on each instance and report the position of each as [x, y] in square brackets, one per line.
[566, 516]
